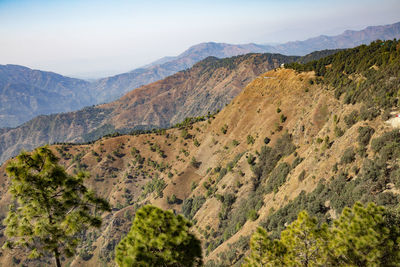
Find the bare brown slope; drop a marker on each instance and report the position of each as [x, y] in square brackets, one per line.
[208, 86]
[120, 174]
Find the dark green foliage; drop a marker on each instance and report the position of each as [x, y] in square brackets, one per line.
[185, 134]
[386, 114]
[221, 174]
[250, 140]
[236, 218]
[50, 208]
[316, 55]
[224, 128]
[361, 236]
[211, 63]
[196, 143]
[233, 256]
[364, 135]
[191, 205]
[189, 121]
[269, 157]
[99, 132]
[227, 202]
[235, 160]
[338, 131]
[388, 145]
[368, 113]
[196, 164]
[351, 118]
[252, 215]
[231, 220]
[348, 156]
[155, 185]
[369, 186]
[267, 140]
[296, 162]
[284, 145]
[302, 175]
[251, 159]
[282, 118]
[379, 88]
[277, 177]
[365, 236]
[159, 238]
[172, 199]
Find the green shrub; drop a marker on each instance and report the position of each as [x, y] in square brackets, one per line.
[302, 175]
[172, 200]
[282, 118]
[351, 118]
[193, 186]
[251, 159]
[277, 177]
[252, 215]
[155, 185]
[368, 113]
[348, 156]
[267, 140]
[235, 142]
[338, 131]
[196, 164]
[364, 135]
[250, 140]
[196, 142]
[191, 206]
[224, 129]
[296, 162]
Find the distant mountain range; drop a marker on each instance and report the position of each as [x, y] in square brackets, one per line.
[209, 85]
[347, 39]
[26, 93]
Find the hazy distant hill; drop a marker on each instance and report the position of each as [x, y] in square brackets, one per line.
[26, 93]
[207, 86]
[111, 88]
[347, 39]
[291, 140]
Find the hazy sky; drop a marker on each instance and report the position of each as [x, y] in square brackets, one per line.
[98, 38]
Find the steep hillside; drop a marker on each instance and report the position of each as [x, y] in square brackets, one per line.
[287, 142]
[26, 93]
[111, 88]
[206, 87]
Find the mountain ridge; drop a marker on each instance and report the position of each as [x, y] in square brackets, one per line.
[207, 86]
[111, 88]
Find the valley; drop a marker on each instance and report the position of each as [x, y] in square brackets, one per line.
[307, 136]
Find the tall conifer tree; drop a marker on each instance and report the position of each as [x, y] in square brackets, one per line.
[50, 207]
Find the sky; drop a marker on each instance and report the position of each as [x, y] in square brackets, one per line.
[91, 39]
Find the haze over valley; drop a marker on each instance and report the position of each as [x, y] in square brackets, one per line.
[239, 146]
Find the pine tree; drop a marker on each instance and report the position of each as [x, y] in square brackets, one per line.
[159, 238]
[361, 236]
[50, 207]
[366, 236]
[264, 251]
[306, 242]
